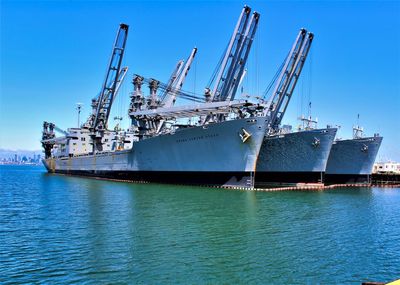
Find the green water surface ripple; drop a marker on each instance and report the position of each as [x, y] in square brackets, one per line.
[69, 230]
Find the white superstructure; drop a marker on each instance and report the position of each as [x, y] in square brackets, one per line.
[386, 167]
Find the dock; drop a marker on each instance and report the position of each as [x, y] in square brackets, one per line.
[385, 178]
[314, 187]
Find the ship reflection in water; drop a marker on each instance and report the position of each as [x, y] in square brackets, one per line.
[59, 229]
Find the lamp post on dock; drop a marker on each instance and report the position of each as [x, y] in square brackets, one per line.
[78, 108]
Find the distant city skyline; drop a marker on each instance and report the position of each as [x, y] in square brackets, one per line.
[20, 157]
[54, 55]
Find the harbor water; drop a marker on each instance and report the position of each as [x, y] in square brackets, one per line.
[68, 230]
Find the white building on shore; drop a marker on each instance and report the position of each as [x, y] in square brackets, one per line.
[386, 167]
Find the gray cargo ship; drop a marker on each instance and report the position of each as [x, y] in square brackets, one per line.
[215, 154]
[352, 160]
[295, 157]
[286, 156]
[162, 144]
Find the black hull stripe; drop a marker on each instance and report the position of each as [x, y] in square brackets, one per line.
[346, 178]
[240, 179]
[263, 178]
[287, 177]
[228, 179]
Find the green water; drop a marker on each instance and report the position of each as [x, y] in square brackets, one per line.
[59, 230]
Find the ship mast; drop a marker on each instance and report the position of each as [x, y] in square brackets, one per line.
[357, 130]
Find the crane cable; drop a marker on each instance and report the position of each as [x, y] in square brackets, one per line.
[217, 67]
[179, 93]
[274, 78]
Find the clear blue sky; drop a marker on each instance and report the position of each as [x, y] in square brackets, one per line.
[54, 54]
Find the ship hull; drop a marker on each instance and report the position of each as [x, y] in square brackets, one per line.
[351, 161]
[292, 158]
[204, 178]
[207, 155]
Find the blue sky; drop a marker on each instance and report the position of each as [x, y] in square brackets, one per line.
[54, 54]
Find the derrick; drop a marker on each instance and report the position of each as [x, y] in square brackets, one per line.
[287, 80]
[114, 76]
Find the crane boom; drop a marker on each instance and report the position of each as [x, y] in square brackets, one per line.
[176, 86]
[108, 91]
[119, 80]
[287, 68]
[173, 78]
[294, 78]
[95, 101]
[287, 80]
[234, 77]
[230, 57]
[60, 130]
[109, 87]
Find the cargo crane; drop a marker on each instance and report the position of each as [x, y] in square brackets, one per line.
[235, 74]
[166, 100]
[153, 101]
[90, 120]
[224, 81]
[229, 60]
[231, 68]
[279, 100]
[113, 79]
[176, 85]
[174, 88]
[220, 101]
[48, 136]
[173, 78]
[170, 91]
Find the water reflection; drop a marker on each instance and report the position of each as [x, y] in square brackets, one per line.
[66, 229]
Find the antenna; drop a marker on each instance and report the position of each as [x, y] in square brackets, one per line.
[117, 126]
[357, 130]
[78, 108]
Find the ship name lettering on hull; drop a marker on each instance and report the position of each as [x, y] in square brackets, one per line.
[197, 138]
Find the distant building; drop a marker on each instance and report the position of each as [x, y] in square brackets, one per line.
[386, 167]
